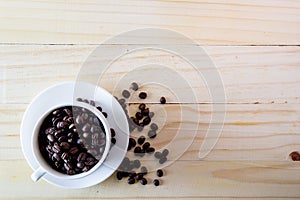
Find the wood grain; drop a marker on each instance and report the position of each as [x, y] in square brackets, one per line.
[216, 22]
[250, 74]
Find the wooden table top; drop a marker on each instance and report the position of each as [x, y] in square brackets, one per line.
[254, 45]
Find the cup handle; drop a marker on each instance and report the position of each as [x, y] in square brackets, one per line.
[37, 174]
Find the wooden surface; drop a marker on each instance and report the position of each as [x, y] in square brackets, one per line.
[255, 47]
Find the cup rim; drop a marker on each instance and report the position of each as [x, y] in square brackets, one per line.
[41, 160]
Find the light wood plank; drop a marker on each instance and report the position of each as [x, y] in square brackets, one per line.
[250, 74]
[199, 179]
[216, 22]
[266, 132]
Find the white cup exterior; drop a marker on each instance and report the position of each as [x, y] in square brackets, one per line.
[44, 167]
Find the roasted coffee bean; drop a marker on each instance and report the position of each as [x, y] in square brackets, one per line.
[159, 173]
[141, 140]
[92, 103]
[158, 155]
[150, 150]
[71, 172]
[162, 160]
[82, 156]
[146, 121]
[80, 165]
[70, 120]
[104, 114]
[152, 134]
[145, 112]
[56, 157]
[51, 138]
[56, 148]
[64, 156]
[65, 118]
[122, 101]
[132, 174]
[156, 182]
[163, 100]
[79, 99]
[125, 174]
[62, 124]
[73, 150]
[132, 142]
[119, 175]
[140, 128]
[67, 166]
[135, 121]
[142, 106]
[165, 152]
[85, 116]
[131, 181]
[137, 150]
[99, 108]
[143, 181]
[65, 145]
[139, 115]
[154, 126]
[146, 145]
[56, 112]
[113, 140]
[136, 163]
[85, 168]
[126, 94]
[62, 139]
[89, 161]
[72, 126]
[86, 101]
[86, 127]
[151, 114]
[57, 164]
[50, 130]
[139, 176]
[144, 170]
[79, 120]
[143, 95]
[58, 134]
[85, 134]
[68, 112]
[112, 132]
[134, 86]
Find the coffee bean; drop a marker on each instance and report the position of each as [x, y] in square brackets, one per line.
[104, 114]
[165, 152]
[159, 173]
[86, 168]
[143, 181]
[86, 127]
[143, 95]
[146, 121]
[140, 128]
[119, 175]
[139, 115]
[136, 163]
[113, 140]
[101, 150]
[141, 140]
[72, 126]
[162, 100]
[62, 124]
[132, 142]
[112, 132]
[99, 108]
[73, 150]
[56, 112]
[82, 156]
[62, 139]
[150, 150]
[67, 166]
[154, 126]
[55, 157]
[93, 152]
[146, 145]
[64, 156]
[158, 155]
[295, 156]
[142, 106]
[50, 138]
[131, 181]
[145, 112]
[80, 165]
[50, 130]
[79, 120]
[122, 101]
[86, 101]
[126, 94]
[58, 134]
[89, 161]
[162, 160]
[137, 150]
[144, 170]
[56, 148]
[92, 103]
[156, 182]
[152, 134]
[85, 116]
[65, 145]
[134, 86]
[151, 114]
[139, 176]
[68, 112]
[85, 134]
[79, 99]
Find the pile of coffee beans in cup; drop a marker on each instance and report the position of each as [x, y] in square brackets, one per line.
[133, 170]
[72, 139]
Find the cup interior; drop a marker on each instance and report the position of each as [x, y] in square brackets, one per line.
[42, 161]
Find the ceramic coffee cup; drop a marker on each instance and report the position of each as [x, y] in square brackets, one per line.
[44, 168]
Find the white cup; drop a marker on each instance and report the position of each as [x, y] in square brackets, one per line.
[44, 168]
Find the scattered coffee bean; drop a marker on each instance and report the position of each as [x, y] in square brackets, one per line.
[99, 108]
[143, 181]
[152, 134]
[113, 140]
[158, 155]
[132, 142]
[112, 132]
[143, 95]
[162, 100]
[145, 112]
[146, 121]
[151, 114]
[126, 94]
[144, 170]
[104, 114]
[119, 175]
[146, 145]
[156, 182]
[139, 115]
[142, 106]
[139, 176]
[141, 140]
[79, 99]
[159, 173]
[162, 160]
[150, 150]
[165, 152]
[136, 163]
[134, 86]
[92, 103]
[131, 181]
[140, 128]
